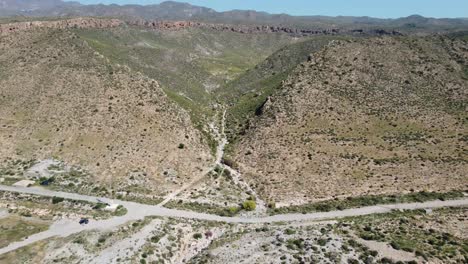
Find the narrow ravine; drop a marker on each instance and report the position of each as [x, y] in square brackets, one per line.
[261, 208]
[218, 134]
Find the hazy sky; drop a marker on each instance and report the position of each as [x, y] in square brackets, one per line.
[374, 8]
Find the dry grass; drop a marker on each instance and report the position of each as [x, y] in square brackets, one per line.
[77, 107]
[379, 116]
[15, 228]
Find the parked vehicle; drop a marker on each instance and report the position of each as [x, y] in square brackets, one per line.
[84, 221]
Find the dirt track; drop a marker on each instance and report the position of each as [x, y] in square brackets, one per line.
[139, 211]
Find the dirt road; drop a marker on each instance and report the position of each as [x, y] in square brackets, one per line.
[139, 211]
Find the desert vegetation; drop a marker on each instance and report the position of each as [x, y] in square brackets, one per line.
[356, 120]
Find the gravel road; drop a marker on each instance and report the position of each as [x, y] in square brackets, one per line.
[137, 211]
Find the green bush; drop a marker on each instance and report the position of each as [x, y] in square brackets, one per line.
[249, 205]
[322, 242]
[232, 211]
[155, 239]
[56, 200]
[395, 245]
[100, 206]
[120, 211]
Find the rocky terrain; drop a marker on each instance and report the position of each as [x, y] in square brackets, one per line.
[60, 24]
[77, 107]
[176, 11]
[173, 133]
[422, 236]
[378, 116]
[256, 29]
[102, 23]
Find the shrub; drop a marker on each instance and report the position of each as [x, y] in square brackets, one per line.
[231, 211]
[99, 206]
[155, 239]
[79, 240]
[26, 214]
[56, 200]
[322, 242]
[208, 234]
[181, 146]
[395, 245]
[249, 205]
[120, 211]
[290, 231]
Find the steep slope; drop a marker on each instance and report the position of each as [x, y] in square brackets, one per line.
[378, 116]
[189, 63]
[61, 99]
[246, 94]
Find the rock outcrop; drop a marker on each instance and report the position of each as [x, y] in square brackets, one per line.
[60, 24]
[178, 25]
[253, 29]
[245, 29]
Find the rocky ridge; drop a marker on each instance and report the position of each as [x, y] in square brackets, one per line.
[60, 24]
[254, 29]
[178, 25]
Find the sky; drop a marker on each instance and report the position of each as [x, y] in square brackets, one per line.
[373, 8]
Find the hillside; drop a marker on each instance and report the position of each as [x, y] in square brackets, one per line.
[61, 99]
[368, 116]
[324, 140]
[247, 93]
[190, 64]
[171, 10]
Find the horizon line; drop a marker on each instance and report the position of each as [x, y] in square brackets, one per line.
[266, 12]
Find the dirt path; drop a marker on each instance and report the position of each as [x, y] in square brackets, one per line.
[220, 136]
[138, 211]
[218, 133]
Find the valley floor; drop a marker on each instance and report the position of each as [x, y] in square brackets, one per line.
[136, 211]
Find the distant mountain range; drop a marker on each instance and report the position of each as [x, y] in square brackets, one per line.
[183, 11]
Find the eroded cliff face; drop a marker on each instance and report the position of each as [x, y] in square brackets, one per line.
[60, 24]
[255, 29]
[178, 25]
[245, 29]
